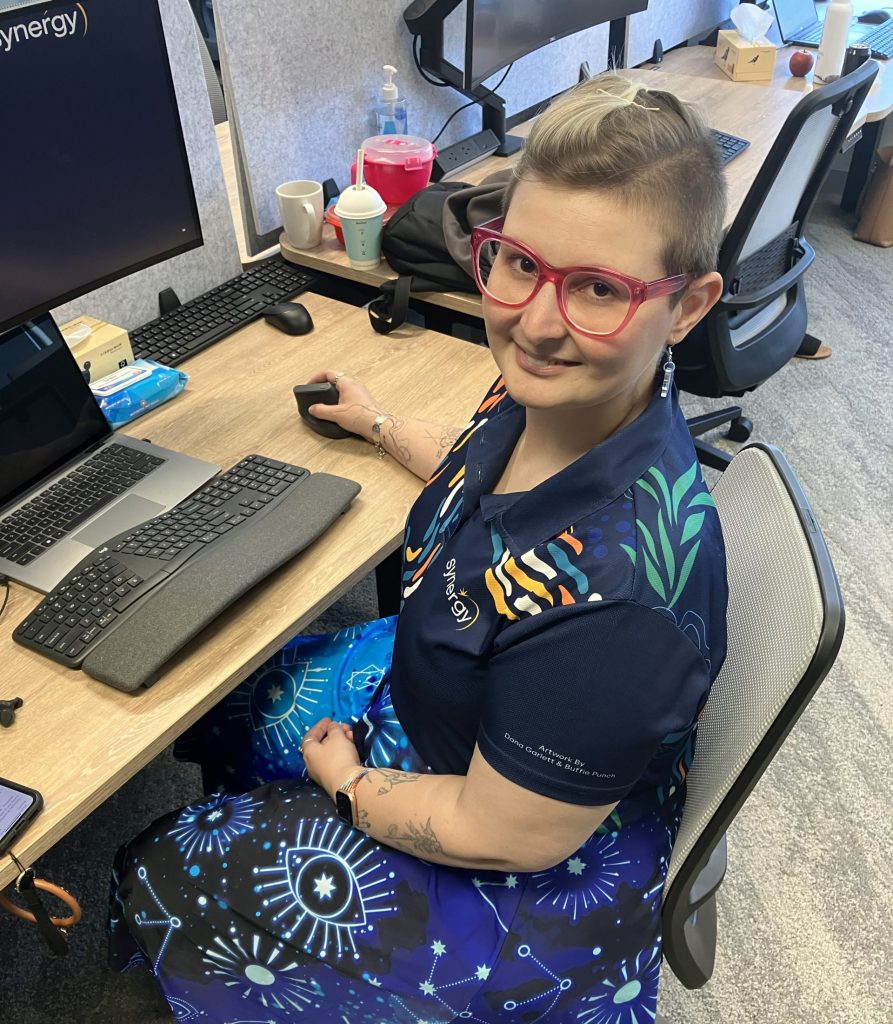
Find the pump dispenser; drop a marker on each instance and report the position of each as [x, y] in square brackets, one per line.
[390, 112]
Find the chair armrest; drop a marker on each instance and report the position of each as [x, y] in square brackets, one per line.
[778, 287]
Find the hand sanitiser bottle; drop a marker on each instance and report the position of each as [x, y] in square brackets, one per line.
[838, 19]
[390, 112]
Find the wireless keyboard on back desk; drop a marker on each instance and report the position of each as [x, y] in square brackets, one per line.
[128, 607]
[195, 325]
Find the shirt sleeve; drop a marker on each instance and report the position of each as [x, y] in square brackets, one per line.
[580, 698]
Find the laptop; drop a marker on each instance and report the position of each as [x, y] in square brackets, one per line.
[799, 24]
[66, 483]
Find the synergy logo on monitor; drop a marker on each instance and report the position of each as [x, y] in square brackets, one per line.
[66, 23]
[95, 179]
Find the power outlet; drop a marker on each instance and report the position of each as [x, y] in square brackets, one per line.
[462, 154]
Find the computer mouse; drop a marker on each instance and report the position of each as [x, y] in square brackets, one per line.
[327, 394]
[874, 17]
[290, 317]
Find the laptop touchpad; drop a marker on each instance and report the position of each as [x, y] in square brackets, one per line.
[130, 511]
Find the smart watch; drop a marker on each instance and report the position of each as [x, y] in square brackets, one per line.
[346, 801]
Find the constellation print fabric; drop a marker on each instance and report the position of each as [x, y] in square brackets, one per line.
[572, 634]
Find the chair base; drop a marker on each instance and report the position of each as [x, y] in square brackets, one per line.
[740, 429]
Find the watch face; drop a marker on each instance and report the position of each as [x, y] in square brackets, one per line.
[344, 807]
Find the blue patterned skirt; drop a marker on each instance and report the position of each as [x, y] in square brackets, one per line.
[257, 905]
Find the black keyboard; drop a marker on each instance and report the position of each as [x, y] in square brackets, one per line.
[880, 39]
[204, 320]
[729, 145]
[53, 513]
[152, 588]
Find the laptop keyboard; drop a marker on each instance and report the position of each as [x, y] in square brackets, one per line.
[729, 145]
[64, 505]
[192, 327]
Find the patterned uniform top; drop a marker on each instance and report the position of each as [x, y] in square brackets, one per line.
[572, 631]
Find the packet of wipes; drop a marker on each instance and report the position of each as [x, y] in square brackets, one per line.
[135, 389]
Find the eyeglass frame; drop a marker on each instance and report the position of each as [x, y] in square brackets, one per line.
[640, 291]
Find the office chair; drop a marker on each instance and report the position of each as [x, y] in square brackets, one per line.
[786, 623]
[760, 321]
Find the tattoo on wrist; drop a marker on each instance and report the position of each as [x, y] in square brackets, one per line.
[420, 839]
[398, 441]
[363, 821]
[390, 777]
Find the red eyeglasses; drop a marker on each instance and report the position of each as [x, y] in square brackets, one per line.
[595, 301]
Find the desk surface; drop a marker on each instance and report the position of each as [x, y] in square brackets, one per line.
[729, 106]
[77, 740]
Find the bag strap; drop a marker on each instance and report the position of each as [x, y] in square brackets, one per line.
[388, 310]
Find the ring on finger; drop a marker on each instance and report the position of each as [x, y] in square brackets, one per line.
[337, 377]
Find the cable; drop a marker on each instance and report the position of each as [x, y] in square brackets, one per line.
[441, 84]
[470, 103]
[4, 582]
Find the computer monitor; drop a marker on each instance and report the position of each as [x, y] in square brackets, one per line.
[94, 181]
[499, 32]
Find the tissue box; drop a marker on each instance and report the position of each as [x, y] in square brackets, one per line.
[743, 61]
[103, 346]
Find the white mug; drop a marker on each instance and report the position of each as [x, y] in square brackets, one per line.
[300, 206]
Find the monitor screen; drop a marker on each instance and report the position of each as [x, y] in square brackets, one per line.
[500, 31]
[94, 180]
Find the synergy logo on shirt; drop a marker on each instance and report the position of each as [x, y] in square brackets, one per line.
[465, 609]
[61, 25]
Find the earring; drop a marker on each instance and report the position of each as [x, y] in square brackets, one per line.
[669, 368]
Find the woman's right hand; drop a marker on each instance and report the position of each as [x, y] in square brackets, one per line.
[356, 410]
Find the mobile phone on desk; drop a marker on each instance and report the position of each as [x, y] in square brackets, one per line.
[19, 805]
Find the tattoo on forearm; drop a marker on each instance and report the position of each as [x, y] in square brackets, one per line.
[446, 440]
[390, 777]
[363, 821]
[420, 839]
[398, 441]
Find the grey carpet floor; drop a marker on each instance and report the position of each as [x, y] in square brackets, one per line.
[805, 911]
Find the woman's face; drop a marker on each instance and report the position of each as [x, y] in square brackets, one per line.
[547, 364]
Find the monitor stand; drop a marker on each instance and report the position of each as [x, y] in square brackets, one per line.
[491, 140]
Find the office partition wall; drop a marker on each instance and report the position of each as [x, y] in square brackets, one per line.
[134, 299]
[673, 22]
[301, 80]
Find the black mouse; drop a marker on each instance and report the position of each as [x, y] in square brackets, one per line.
[327, 394]
[290, 317]
[874, 17]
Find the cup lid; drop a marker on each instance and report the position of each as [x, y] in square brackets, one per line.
[397, 149]
[359, 201]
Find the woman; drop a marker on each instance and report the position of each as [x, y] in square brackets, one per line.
[510, 785]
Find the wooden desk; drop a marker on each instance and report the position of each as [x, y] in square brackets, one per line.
[698, 61]
[729, 106]
[77, 740]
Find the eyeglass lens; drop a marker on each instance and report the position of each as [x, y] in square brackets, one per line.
[595, 303]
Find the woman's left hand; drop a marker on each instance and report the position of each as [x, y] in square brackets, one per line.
[329, 754]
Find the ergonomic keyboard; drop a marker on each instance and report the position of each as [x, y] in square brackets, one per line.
[729, 145]
[53, 513]
[129, 606]
[208, 318]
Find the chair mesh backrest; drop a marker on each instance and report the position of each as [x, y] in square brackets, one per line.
[781, 201]
[775, 618]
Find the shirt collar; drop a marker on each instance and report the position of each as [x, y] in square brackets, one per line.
[593, 481]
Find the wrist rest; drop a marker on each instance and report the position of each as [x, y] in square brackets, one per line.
[134, 653]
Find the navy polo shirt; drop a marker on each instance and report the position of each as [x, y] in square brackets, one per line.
[571, 631]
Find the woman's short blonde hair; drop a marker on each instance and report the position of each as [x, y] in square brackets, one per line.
[644, 147]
